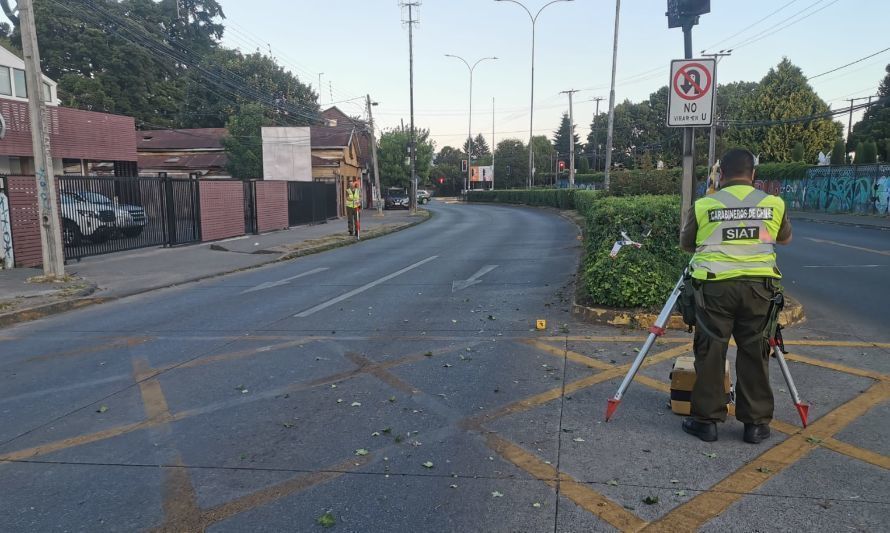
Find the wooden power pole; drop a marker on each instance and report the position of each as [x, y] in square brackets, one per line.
[47, 199]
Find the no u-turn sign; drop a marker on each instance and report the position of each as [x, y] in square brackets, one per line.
[691, 92]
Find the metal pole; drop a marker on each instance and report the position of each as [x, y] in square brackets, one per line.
[687, 192]
[571, 92]
[378, 198]
[412, 200]
[608, 163]
[596, 155]
[531, 115]
[470, 138]
[47, 204]
[492, 143]
[712, 142]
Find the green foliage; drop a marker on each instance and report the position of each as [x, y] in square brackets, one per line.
[637, 277]
[781, 171]
[447, 165]
[393, 160]
[635, 182]
[783, 94]
[582, 167]
[511, 164]
[562, 136]
[875, 124]
[584, 200]
[481, 151]
[797, 153]
[244, 143]
[839, 153]
[559, 198]
[867, 153]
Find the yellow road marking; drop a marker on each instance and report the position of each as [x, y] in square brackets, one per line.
[116, 343]
[79, 440]
[856, 452]
[585, 497]
[691, 515]
[613, 338]
[570, 355]
[860, 248]
[838, 344]
[837, 366]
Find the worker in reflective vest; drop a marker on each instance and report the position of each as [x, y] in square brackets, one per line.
[733, 233]
[353, 204]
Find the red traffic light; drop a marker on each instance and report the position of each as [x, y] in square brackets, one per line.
[441, 181]
[562, 165]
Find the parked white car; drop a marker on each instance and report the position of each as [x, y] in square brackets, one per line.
[129, 219]
[84, 220]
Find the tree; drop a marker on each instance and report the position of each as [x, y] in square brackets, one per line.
[447, 165]
[481, 151]
[244, 143]
[393, 157]
[866, 153]
[542, 150]
[875, 124]
[561, 137]
[511, 164]
[784, 94]
[583, 165]
[797, 153]
[839, 153]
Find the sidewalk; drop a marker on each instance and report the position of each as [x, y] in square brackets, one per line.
[846, 219]
[121, 274]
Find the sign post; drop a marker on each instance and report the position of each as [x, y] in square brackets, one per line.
[690, 104]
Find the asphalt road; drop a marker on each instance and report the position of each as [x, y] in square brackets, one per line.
[840, 274]
[399, 385]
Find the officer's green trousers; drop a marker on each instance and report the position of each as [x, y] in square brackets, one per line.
[736, 308]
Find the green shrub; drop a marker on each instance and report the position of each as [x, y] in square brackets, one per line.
[559, 198]
[584, 200]
[782, 171]
[839, 153]
[637, 277]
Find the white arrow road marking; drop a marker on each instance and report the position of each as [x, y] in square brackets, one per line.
[844, 266]
[474, 279]
[362, 289]
[285, 281]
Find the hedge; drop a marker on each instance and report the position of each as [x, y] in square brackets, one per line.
[637, 277]
[559, 198]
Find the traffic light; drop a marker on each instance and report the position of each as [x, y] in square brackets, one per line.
[441, 181]
[562, 166]
[463, 165]
[509, 171]
[681, 12]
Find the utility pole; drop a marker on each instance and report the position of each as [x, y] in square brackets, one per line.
[492, 143]
[612, 99]
[412, 199]
[712, 142]
[571, 92]
[850, 121]
[47, 204]
[596, 155]
[319, 84]
[377, 198]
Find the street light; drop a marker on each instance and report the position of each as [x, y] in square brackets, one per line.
[470, 126]
[531, 120]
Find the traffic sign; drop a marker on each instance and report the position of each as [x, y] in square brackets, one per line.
[692, 85]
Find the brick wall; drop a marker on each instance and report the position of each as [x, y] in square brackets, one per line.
[74, 133]
[23, 215]
[222, 209]
[271, 204]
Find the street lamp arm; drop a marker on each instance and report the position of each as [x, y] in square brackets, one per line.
[480, 61]
[525, 8]
[535, 18]
[462, 59]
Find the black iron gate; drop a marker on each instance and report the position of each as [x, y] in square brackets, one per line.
[251, 225]
[101, 215]
[310, 202]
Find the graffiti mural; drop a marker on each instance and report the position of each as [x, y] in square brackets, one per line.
[6, 257]
[835, 189]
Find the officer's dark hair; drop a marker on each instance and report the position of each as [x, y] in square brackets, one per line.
[737, 163]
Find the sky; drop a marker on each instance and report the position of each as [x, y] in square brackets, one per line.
[361, 47]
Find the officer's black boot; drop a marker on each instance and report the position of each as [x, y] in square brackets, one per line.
[755, 433]
[706, 431]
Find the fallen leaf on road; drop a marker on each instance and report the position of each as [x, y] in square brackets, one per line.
[333, 385]
[577, 439]
[650, 500]
[680, 493]
[339, 400]
[287, 425]
[102, 409]
[392, 399]
[496, 494]
[613, 482]
[446, 365]
[361, 451]
[326, 520]
[764, 470]
[355, 404]
[536, 504]
[428, 354]
[710, 455]
[428, 464]
[454, 321]
[675, 481]
[386, 430]
[491, 317]
[814, 440]
[453, 486]
[375, 434]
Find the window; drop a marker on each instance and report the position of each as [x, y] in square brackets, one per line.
[21, 87]
[47, 92]
[5, 81]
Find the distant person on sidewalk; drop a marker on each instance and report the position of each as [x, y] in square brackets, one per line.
[733, 233]
[353, 204]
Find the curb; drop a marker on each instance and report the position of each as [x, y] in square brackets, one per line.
[791, 315]
[82, 300]
[865, 224]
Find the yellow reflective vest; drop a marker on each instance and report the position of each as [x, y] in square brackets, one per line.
[737, 229]
[353, 198]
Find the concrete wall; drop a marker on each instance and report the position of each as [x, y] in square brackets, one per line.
[271, 204]
[222, 209]
[287, 154]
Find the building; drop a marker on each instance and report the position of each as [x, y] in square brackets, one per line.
[287, 154]
[183, 153]
[341, 151]
[81, 142]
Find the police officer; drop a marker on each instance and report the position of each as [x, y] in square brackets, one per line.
[353, 204]
[733, 233]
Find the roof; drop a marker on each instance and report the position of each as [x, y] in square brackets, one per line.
[331, 136]
[184, 162]
[187, 139]
[334, 113]
[324, 162]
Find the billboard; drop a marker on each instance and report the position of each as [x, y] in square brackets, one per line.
[481, 174]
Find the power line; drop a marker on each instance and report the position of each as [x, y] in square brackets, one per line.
[746, 28]
[849, 64]
[767, 33]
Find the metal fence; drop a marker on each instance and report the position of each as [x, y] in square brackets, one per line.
[310, 202]
[110, 214]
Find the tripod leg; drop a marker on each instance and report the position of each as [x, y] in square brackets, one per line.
[802, 408]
